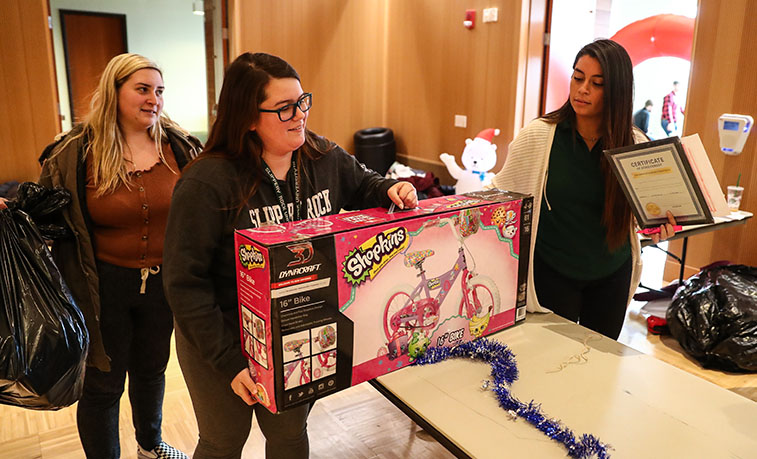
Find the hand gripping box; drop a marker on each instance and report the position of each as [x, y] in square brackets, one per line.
[331, 302]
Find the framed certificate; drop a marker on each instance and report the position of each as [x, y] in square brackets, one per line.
[657, 177]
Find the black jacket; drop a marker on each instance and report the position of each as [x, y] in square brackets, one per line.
[75, 256]
[198, 258]
[641, 120]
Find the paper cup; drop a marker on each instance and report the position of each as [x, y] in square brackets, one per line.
[734, 197]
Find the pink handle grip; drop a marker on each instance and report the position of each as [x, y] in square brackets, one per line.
[648, 231]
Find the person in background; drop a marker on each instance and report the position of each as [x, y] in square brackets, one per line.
[586, 254]
[670, 110]
[641, 117]
[261, 166]
[120, 165]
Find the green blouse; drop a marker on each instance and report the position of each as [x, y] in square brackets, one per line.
[571, 237]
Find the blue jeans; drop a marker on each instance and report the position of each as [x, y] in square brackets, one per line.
[667, 124]
[136, 330]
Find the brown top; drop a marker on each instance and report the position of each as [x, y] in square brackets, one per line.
[129, 224]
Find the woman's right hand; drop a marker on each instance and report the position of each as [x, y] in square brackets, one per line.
[666, 231]
[2, 203]
[244, 386]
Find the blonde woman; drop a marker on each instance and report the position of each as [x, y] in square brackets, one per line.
[120, 165]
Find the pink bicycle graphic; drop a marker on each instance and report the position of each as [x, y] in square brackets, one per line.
[326, 362]
[290, 368]
[415, 313]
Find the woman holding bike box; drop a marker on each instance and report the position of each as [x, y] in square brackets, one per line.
[261, 165]
[585, 253]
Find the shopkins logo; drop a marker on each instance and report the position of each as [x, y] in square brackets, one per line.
[372, 255]
[251, 257]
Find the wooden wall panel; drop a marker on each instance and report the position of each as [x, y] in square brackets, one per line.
[536, 22]
[724, 62]
[409, 66]
[28, 113]
[438, 68]
[337, 47]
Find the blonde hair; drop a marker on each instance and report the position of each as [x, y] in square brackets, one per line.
[100, 126]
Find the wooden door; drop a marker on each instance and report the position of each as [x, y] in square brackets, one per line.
[90, 41]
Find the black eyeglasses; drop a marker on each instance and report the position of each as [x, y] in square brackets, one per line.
[288, 111]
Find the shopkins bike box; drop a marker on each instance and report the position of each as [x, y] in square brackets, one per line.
[331, 302]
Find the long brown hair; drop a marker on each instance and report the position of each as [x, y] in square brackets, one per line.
[244, 89]
[617, 129]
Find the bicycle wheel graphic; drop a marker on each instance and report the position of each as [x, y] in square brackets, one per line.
[483, 297]
[396, 302]
[401, 312]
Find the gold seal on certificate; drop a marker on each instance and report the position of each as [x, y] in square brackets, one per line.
[658, 177]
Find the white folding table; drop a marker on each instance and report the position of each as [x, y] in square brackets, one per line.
[643, 407]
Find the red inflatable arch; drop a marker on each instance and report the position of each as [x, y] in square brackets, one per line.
[657, 36]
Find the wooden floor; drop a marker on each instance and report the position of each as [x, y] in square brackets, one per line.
[355, 423]
[667, 349]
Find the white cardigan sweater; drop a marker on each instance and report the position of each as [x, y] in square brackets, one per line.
[525, 171]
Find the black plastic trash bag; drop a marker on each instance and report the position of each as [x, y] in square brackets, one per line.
[43, 338]
[714, 317]
[43, 205]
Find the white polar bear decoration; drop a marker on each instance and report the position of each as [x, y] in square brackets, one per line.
[479, 157]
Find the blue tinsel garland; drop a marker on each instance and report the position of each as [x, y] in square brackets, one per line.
[505, 372]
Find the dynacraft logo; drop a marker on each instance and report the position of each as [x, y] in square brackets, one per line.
[300, 271]
[373, 254]
[251, 257]
[303, 253]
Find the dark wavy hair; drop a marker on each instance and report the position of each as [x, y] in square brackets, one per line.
[243, 90]
[617, 129]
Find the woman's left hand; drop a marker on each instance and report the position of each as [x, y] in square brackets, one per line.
[244, 385]
[403, 195]
[666, 231]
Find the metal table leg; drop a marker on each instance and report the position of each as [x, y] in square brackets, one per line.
[683, 260]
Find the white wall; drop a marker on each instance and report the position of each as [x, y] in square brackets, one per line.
[572, 28]
[165, 31]
[577, 22]
[653, 78]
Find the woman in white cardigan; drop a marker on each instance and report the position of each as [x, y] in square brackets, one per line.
[585, 255]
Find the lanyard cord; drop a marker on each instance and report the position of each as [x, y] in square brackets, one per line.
[280, 195]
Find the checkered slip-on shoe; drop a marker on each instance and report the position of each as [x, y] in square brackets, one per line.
[162, 451]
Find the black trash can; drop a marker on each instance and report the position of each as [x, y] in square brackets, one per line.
[375, 148]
